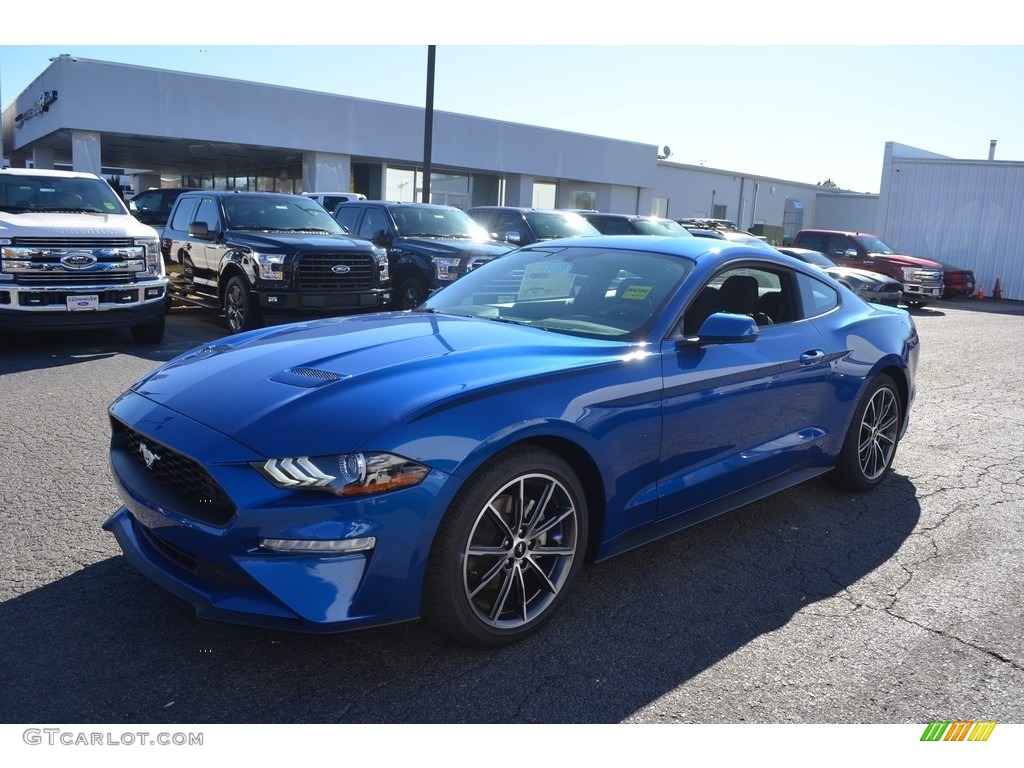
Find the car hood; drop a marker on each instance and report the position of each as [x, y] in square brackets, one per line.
[907, 261]
[72, 225]
[288, 389]
[270, 241]
[861, 274]
[432, 247]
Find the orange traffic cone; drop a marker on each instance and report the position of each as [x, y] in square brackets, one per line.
[997, 292]
[980, 294]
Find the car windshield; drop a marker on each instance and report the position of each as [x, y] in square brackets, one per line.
[278, 213]
[58, 194]
[665, 227]
[548, 225]
[873, 244]
[437, 221]
[588, 291]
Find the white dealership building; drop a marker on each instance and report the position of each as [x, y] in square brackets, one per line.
[120, 120]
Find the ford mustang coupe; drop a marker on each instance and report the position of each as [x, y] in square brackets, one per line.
[461, 461]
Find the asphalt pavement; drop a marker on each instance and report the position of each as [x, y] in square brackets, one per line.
[904, 605]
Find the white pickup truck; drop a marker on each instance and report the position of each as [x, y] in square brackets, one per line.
[73, 257]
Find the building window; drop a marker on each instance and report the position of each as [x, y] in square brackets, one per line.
[659, 207]
[583, 201]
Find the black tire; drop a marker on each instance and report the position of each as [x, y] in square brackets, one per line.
[411, 293]
[870, 445]
[153, 333]
[494, 577]
[240, 308]
[916, 304]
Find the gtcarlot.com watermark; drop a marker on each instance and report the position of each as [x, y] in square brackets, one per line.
[53, 737]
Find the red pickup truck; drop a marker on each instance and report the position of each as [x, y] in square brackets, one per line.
[920, 279]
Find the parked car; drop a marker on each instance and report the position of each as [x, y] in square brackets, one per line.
[428, 245]
[565, 402]
[153, 207]
[956, 281]
[254, 252]
[523, 226]
[627, 224]
[73, 258]
[331, 200]
[870, 286]
[921, 279]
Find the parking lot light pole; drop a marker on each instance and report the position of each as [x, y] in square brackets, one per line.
[428, 123]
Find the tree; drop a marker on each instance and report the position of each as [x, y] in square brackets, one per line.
[828, 184]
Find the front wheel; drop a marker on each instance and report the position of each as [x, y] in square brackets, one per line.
[870, 444]
[411, 293]
[508, 549]
[240, 308]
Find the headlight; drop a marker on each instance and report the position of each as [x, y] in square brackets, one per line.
[446, 267]
[347, 474]
[151, 246]
[382, 262]
[270, 266]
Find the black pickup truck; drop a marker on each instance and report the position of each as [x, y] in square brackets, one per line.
[252, 252]
[428, 245]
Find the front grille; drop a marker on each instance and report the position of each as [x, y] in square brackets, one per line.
[75, 278]
[205, 500]
[313, 272]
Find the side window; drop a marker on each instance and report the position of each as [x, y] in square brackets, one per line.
[837, 245]
[209, 211]
[508, 222]
[814, 242]
[763, 294]
[374, 221]
[183, 213]
[816, 297]
[347, 216]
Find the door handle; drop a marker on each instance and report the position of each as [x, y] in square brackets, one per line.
[812, 356]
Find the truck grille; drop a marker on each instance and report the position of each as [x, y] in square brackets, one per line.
[314, 272]
[208, 502]
[74, 260]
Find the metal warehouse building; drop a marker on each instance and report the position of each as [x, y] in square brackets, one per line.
[116, 120]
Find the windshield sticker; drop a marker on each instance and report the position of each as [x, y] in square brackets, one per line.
[546, 281]
[109, 206]
[636, 292]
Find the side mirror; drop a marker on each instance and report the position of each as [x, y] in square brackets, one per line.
[513, 237]
[382, 238]
[200, 229]
[723, 328]
[851, 253]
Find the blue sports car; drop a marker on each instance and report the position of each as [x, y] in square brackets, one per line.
[461, 461]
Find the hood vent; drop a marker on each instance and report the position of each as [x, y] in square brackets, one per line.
[307, 377]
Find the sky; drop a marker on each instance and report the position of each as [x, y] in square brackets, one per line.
[750, 98]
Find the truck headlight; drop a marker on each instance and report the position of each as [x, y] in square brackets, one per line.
[154, 261]
[270, 266]
[446, 268]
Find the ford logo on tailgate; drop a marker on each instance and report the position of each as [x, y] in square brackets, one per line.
[340, 269]
[78, 260]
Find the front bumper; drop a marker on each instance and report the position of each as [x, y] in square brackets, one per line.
[215, 562]
[270, 299]
[917, 291]
[31, 307]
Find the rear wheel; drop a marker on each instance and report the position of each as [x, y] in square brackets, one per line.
[508, 549]
[870, 445]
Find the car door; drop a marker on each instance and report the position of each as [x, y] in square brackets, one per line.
[737, 415]
[207, 253]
